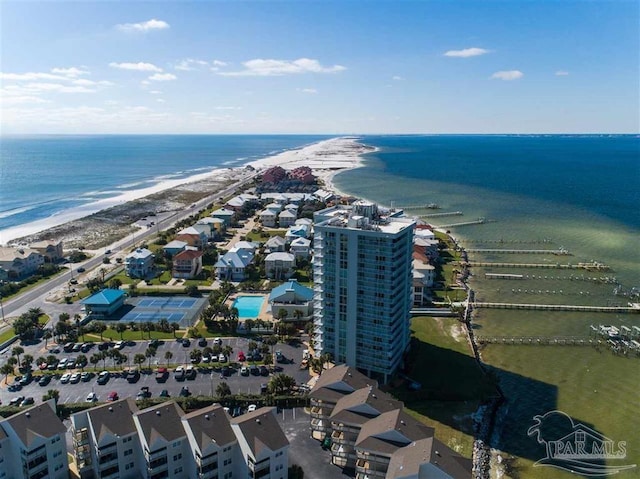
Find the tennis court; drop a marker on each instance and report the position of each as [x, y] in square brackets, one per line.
[181, 310]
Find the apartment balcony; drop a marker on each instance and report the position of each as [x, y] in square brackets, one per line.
[111, 473]
[81, 437]
[157, 464]
[34, 463]
[317, 412]
[371, 468]
[318, 424]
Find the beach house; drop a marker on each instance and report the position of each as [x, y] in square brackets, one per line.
[20, 262]
[51, 250]
[33, 445]
[279, 266]
[139, 264]
[300, 248]
[287, 217]
[174, 247]
[297, 231]
[225, 215]
[216, 226]
[231, 266]
[193, 237]
[268, 218]
[187, 264]
[275, 244]
[294, 298]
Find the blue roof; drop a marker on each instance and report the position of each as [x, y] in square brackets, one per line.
[104, 297]
[300, 291]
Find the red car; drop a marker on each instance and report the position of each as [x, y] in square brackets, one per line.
[113, 396]
[241, 357]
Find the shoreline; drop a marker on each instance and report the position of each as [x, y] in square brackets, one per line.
[117, 219]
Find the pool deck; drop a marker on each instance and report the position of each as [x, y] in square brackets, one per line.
[265, 309]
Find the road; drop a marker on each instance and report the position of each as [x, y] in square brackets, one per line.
[36, 297]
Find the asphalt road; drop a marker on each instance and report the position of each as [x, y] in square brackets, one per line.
[206, 381]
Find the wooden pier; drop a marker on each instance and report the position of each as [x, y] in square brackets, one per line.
[557, 307]
[479, 221]
[439, 215]
[557, 252]
[538, 340]
[587, 266]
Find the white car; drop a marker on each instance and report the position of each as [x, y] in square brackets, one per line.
[65, 378]
[92, 397]
[75, 378]
[252, 407]
[119, 345]
[217, 341]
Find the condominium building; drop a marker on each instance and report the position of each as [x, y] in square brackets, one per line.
[117, 440]
[363, 286]
[32, 444]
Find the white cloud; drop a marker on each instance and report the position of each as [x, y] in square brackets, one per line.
[21, 99]
[308, 90]
[163, 77]
[270, 67]
[41, 87]
[155, 92]
[30, 76]
[562, 73]
[467, 52]
[140, 66]
[507, 75]
[147, 26]
[85, 82]
[189, 64]
[219, 63]
[160, 100]
[71, 72]
[228, 108]
[397, 78]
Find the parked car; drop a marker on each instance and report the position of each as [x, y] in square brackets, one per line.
[44, 380]
[104, 346]
[264, 371]
[244, 371]
[217, 341]
[264, 388]
[28, 401]
[91, 397]
[62, 364]
[226, 371]
[178, 374]
[52, 366]
[16, 401]
[154, 343]
[241, 357]
[119, 345]
[164, 394]
[133, 375]
[186, 343]
[184, 392]
[75, 378]
[143, 394]
[76, 348]
[86, 347]
[71, 363]
[65, 378]
[202, 342]
[68, 347]
[113, 396]
[191, 373]
[161, 375]
[252, 407]
[254, 370]
[85, 377]
[222, 358]
[103, 377]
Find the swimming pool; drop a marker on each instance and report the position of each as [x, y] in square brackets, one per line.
[248, 306]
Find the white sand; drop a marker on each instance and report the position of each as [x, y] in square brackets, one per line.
[325, 158]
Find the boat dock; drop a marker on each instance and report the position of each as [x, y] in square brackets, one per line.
[428, 206]
[557, 307]
[538, 340]
[588, 266]
[557, 252]
[503, 276]
[479, 221]
[439, 215]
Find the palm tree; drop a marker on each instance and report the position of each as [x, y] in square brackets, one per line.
[52, 394]
[139, 358]
[17, 351]
[167, 356]
[196, 356]
[227, 350]
[174, 327]
[223, 390]
[99, 327]
[150, 353]
[27, 361]
[94, 359]
[51, 359]
[163, 325]
[297, 314]
[40, 360]
[47, 335]
[281, 383]
[120, 328]
[6, 369]
[81, 360]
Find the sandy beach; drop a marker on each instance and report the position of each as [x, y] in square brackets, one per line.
[99, 224]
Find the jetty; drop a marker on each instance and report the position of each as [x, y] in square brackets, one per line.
[428, 206]
[439, 215]
[557, 307]
[489, 264]
[557, 252]
[479, 221]
[538, 340]
[503, 276]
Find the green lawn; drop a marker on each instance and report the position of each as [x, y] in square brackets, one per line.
[264, 236]
[452, 383]
[112, 334]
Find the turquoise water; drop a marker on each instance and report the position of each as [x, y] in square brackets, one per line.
[248, 306]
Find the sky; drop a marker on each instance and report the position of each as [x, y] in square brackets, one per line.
[334, 67]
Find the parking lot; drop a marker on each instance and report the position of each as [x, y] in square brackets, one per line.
[207, 378]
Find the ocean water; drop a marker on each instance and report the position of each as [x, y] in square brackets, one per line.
[534, 192]
[46, 176]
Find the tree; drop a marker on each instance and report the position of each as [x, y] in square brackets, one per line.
[297, 314]
[196, 356]
[282, 314]
[40, 360]
[17, 351]
[295, 472]
[280, 383]
[227, 350]
[81, 361]
[139, 359]
[149, 353]
[47, 335]
[191, 290]
[223, 390]
[115, 283]
[120, 328]
[95, 359]
[6, 369]
[52, 394]
[167, 356]
[27, 361]
[174, 327]
[133, 290]
[248, 324]
[99, 327]
[23, 327]
[316, 365]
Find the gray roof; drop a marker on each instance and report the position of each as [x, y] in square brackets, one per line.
[406, 461]
[391, 430]
[339, 381]
[363, 404]
[235, 259]
[275, 241]
[37, 421]
[161, 422]
[113, 418]
[210, 424]
[261, 429]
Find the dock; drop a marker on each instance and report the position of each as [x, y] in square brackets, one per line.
[557, 307]
[557, 252]
[503, 276]
[479, 221]
[538, 340]
[587, 266]
[439, 215]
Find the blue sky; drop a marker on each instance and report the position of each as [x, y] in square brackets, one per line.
[320, 67]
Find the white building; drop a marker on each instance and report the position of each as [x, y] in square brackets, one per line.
[363, 287]
[279, 266]
[268, 217]
[139, 264]
[20, 262]
[32, 444]
[287, 218]
[301, 248]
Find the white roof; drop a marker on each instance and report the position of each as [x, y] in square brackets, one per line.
[287, 214]
[280, 257]
[140, 253]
